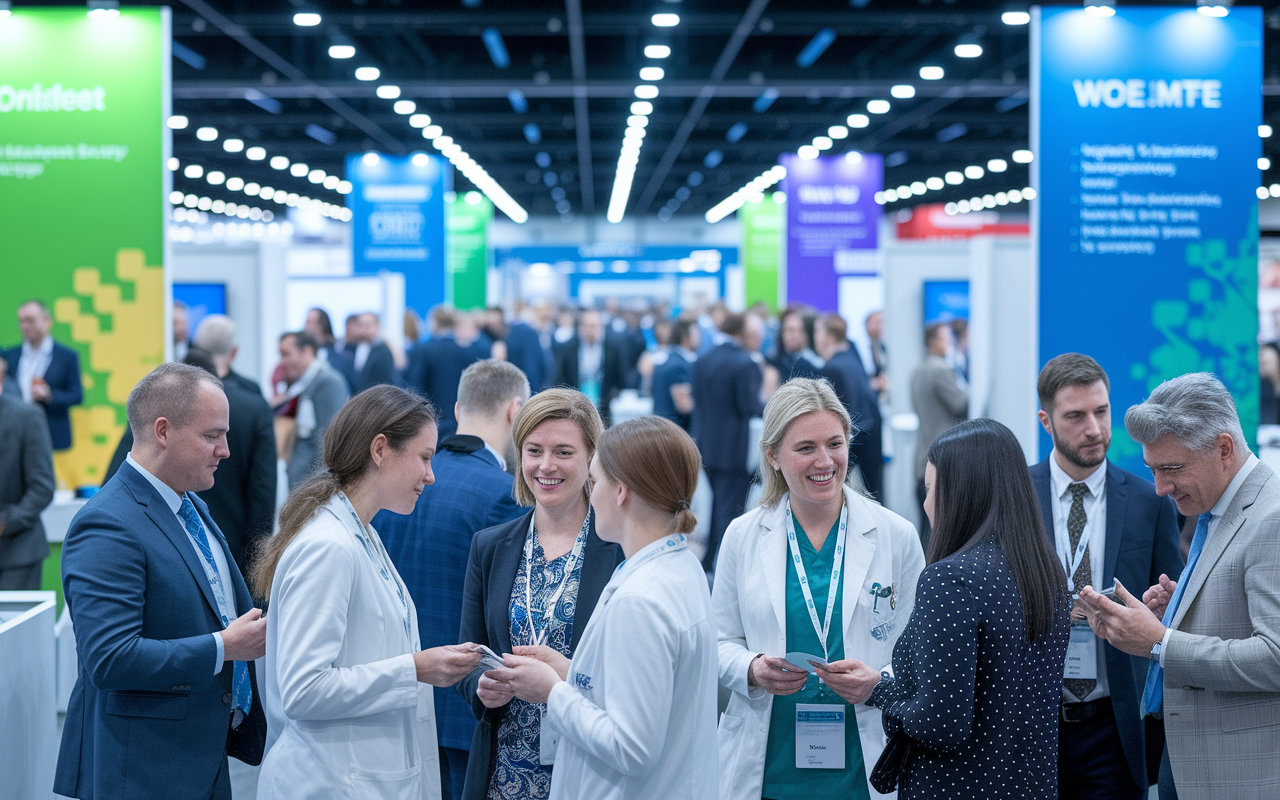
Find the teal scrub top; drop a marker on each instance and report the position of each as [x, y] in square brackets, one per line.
[782, 780]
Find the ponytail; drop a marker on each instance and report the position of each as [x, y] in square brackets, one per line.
[658, 461]
[299, 509]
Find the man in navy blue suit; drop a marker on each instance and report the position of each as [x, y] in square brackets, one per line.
[847, 375]
[430, 547]
[436, 365]
[47, 373]
[166, 631]
[1106, 523]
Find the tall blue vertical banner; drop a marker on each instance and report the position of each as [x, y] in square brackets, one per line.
[1145, 130]
[832, 220]
[397, 206]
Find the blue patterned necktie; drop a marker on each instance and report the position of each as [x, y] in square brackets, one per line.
[241, 691]
[1153, 694]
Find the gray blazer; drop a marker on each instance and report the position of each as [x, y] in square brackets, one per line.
[26, 481]
[1222, 665]
[326, 393]
[939, 402]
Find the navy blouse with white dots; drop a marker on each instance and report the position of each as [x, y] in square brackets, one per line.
[979, 702]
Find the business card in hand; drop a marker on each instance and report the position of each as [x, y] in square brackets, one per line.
[490, 660]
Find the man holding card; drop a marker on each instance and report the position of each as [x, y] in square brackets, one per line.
[1106, 524]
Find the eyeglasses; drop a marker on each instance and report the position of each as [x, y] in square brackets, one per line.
[1166, 470]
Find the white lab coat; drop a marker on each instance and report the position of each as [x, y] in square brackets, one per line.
[346, 715]
[750, 595]
[637, 715]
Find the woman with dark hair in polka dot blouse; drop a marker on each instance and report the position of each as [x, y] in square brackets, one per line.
[977, 673]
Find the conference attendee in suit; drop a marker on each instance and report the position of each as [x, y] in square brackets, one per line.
[1105, 524]
[525, 350]
[347, 684]
[216, 335]
[728, 389]
[320, 392]
[532, 586]
[242, 499]
[436, 367]
[371, 358]
[47, 373]
[1215, 673]
[673, 378]
[636, 707]
[844, 370]
[938, 400]
[166, 631]
[320, 327]
[592, 362]
[971, 705]
[879, 354]
[26, 489]
[796, 357]
[762, 612]
[429, 547]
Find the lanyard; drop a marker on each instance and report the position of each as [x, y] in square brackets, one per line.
[362, 536]
[1072, 559]
[549, 608]
[670, 544]
[837, 565]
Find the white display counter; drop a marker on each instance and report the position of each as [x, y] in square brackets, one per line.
[28, 699]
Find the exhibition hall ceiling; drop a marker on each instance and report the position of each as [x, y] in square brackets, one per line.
[540, 94]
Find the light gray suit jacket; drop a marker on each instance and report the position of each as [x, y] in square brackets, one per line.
[1222, 665]
[326, 393]
[939, 401]
[26, 480]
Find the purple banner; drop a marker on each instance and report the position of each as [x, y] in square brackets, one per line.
[832, 216]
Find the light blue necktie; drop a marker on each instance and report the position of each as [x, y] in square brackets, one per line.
[241, 691]
[1153, 694]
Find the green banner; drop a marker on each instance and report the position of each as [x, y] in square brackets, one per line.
[761, 230]
[467, 219]
[82, 201]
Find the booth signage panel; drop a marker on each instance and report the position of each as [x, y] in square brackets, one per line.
[832, 219]
[1145, 129]
[398, 222]
[760, 225]
[467, 245]
[83, 189]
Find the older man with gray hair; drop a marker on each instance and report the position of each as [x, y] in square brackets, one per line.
[216, 335]
[1214, 636]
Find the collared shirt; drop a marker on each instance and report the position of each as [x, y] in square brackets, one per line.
[33, 364]
[502, 462]
[1219, 508]
[174, 501]
[361, 355]
[1095, 512]
[590, 361]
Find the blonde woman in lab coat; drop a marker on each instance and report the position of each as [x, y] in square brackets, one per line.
[636, 712]
[347, 691]
[820, 570]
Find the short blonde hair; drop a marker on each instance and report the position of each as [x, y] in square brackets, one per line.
[548, 405]
[796, 397]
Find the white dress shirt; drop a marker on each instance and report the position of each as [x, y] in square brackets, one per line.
[1095, 512]
[1219, 508]
[174, 501]
[502, 461]
[33, 364]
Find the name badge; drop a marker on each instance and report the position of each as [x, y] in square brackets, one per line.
[1082, 654]
[819, 736]
[548, 740]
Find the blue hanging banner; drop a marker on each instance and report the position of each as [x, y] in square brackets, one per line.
[397, 206]
[1145, 133]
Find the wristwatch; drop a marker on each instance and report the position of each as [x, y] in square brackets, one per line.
[1154, 655]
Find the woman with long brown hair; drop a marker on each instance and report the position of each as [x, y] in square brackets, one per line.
[347, 692]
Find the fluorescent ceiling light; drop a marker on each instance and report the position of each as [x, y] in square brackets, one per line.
[1213, 11]
[177, 122]
[823, 142]
[1264, 131]
[752, 192]
[279, 162]
[405, 107]
[646, 92]
[954, 178]
[973, 50]
[656, 51]
[973, 172]
[665, 20]
[642, 108]
[903, 91]
[235, 184]
[207, 134]
[216, 178]
[652, 73]
[1023, 156]
[255, 153]
[368, 73]
[419, 120]
[932, 73]
[432, 132]
[997, 165]
[1093, 11]
[298, 170]
[807, 151]
[306, 19]
[853, 157]
[838, 132]
[388, 91]
[341, 51]
[194, 171]
[1015, 18]
[858, 120]
[370, 159]
[637, 121]
[233, 145]
[878, 106]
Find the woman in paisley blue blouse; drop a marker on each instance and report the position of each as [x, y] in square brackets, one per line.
[531, 586]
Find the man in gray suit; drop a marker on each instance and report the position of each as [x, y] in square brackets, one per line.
[26, 488]
[320, 391]
[939, 402]
[1212, 636]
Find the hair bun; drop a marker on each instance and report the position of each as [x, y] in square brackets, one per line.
[683, 505]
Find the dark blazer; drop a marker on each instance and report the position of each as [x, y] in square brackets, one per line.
[1141, 543]
[524, 349]
[977, 701]
[26, 481]
[243, 498]
[613, 378]
[726, 395]
[344, 364]
[430, 546]
[240, 381]
[486, 606]
[848, 377]
[379, 366]
[63, 377]
[147, 717]
[675, 371]
[435, 368]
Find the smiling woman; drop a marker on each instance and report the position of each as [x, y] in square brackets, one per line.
[342, 635]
